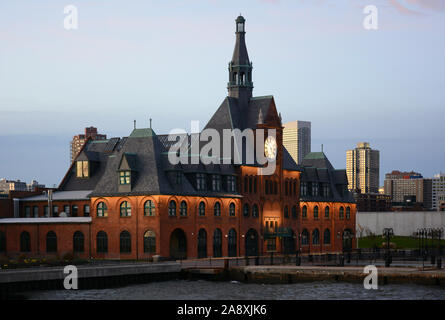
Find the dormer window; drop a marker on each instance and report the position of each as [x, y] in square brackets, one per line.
[82, 169]
[216, 182]
[200, 181]
[125, 177]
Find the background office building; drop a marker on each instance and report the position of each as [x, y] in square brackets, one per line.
[297, 139]
[363, 168]
[78, 141]
[401, 185]
[438, 190]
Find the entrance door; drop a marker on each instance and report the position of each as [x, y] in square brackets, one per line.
[178, 245]
[252, 243]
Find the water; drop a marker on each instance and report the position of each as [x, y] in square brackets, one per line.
[203, 290]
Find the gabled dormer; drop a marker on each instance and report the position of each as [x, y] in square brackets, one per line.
[127, 172]
[87, 163]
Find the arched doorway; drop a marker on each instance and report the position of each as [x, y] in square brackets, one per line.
[202, 243]
[178, 244]
[232, 243]
[347, 240]
[217, 243]
[252, 243]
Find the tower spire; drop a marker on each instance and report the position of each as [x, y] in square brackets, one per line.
[240, 83]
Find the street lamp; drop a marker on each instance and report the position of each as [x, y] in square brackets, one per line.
[388, 232]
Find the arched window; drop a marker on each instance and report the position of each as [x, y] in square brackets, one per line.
[232, 210]
[316, 212]
[348, 213]
[286, 187]
[255, 182]
[202, 208]
[250, 184]
[172, 208]
[246, 186]
[25, 242]
[149, 242]
[102, 242]
[275, 187]
[183, 209]
[305, 237]
[125, 209]
[326, 212]
[217, 243]
[295, 188]
[304, 212]
[102, 210]
[217, 209]
[2, 242]
[125, 242]
[202, 243]
[342, 213]
[51, 242]
[232, 243]
[78, 242]
[327, 237]
[294, 212]
[315, 237]
[286, 212]
[255, 211]
[246, 210]
[149, 208]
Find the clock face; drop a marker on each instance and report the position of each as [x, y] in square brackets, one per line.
[270, 148]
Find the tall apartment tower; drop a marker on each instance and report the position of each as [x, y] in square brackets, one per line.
[363, 168]
[78, 140]
[297, 139]
[438, 190]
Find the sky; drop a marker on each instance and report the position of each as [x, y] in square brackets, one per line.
[167, 60]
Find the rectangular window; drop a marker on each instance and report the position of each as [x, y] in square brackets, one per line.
[35, 210]
[66, 209]
[75, 210]
[216, 182]
[86, 210]
[178, 178]
[200, 181]
[55, 211]
[46, 211]
[124, 177]
[27, 212]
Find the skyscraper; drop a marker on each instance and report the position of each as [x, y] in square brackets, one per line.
[78, 140]
[362, 167]
[297, 139]
[402, 184]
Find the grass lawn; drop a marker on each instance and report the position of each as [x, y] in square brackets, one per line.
[401, 242]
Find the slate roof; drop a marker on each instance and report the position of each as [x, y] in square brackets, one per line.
[318, 169]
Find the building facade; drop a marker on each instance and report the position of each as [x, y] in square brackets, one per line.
[400, 185]
[79, 140]
[133, 202]
[363, 168]
[297, 139]
[438, 190]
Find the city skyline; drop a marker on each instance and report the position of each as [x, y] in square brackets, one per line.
[108, 73]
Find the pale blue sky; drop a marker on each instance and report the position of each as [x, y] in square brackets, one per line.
[168, 60]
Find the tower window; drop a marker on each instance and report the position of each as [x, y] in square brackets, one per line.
[240, 27]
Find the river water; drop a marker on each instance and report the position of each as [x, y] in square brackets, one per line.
[204, 290]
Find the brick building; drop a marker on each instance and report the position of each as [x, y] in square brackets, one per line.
[79, 140]
[140, 204]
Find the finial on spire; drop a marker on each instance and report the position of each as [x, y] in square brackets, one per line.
[134, 124]
[150, 123]
[322, 147]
